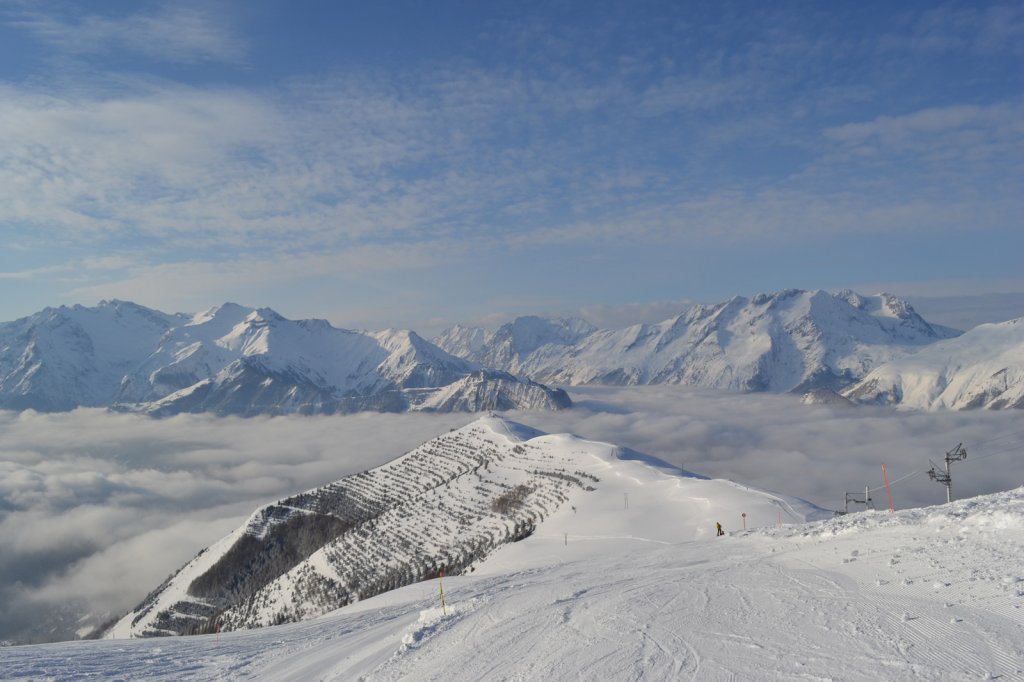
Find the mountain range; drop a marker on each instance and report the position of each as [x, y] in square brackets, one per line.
[789, 341]
[836, 348]
[241, 361]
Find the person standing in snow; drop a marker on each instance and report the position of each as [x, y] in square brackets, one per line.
[719, 526]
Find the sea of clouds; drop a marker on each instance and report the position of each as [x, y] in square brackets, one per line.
[96, 508]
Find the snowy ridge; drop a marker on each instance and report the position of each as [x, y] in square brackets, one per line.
[464, 342]
[791, 340]
[445, 505]
[982, 368]
[236, 360]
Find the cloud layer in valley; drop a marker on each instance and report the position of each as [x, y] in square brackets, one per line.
[96, 509]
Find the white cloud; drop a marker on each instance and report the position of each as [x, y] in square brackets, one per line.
[167, 192]
[316, 164]
[456, 154]
[174, 33]
[92, 167]
[999, 121]
[985, 28]
[676, 94]
[32, 273]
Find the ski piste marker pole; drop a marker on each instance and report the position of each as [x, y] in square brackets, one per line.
[887, 490]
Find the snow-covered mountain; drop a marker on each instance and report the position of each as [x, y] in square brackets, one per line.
[62, 358]
[511, 344]
[444, 506]
[982, 368]
[791, 340]
[237, 360]
[464, 342]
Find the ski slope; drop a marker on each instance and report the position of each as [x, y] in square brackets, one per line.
[629, 581]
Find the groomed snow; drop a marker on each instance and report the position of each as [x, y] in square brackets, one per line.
[606, 592]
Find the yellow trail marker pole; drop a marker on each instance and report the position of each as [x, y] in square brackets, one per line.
[440, 586]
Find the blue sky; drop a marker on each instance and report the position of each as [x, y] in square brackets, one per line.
[417, 164]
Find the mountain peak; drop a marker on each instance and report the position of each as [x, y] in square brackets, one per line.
[220, 312]
[513, 431]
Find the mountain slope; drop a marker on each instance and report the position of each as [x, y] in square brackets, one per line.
[982, 368]
[922, 594]
[513, 343]
[241, 361]
[445, 505]
[62, 358]
[788, 341]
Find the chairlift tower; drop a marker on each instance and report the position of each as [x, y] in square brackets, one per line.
[945, 478]
[852, 497]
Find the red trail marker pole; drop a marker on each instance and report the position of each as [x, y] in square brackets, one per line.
[887, 489]
[744, 515]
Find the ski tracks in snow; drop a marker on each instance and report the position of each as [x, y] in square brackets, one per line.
[858, 600]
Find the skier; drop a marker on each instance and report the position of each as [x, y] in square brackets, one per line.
[719, 526]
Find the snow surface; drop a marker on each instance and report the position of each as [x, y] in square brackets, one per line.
[606, 592]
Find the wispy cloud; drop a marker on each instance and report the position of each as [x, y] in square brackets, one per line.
[981, 27]
[694, 93]
[32, 273]
[454, 152]
[173, 33]
[326, 165]
[969, 130]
